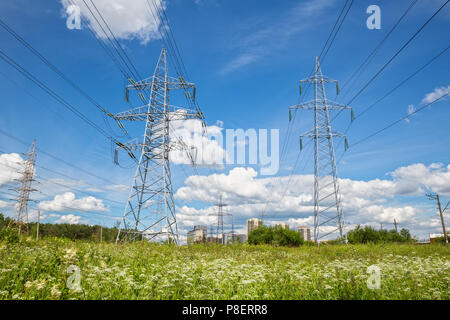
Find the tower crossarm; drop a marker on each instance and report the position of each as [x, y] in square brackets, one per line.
[132, 145]
[309, 105]
[318, 79]
[172, 83]
[141, 113]
[331, 134]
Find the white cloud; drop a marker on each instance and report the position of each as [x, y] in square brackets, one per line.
[411, 110]
[265, 37]
[239, 61]
[438, 92]
[239, 184]
[435, 177]
[126, 19]
[11, 164]
[5, 204]
[365, 202]
[117, 187]
[70, 219]
[67, 201]
[205, 150]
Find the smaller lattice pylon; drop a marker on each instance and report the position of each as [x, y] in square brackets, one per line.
[25, 188]
[220, 214]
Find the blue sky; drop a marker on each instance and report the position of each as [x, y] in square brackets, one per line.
[246, 58]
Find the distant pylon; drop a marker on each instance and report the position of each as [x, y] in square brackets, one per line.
[220, 214]
[25, 188]
[326, 187]
[150, 209]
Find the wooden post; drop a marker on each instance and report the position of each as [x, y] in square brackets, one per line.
[442, 219]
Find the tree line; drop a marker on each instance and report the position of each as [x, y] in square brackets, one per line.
[60, 230]
[283, 237]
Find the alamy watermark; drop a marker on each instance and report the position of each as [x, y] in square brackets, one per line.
[74, 17]
[230, 147]
[74, 281]
[374, 20]
[374, 280]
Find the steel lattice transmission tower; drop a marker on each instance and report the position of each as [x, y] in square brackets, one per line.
[25, 188]
[327, 197]
[150, 209]
[220, 214]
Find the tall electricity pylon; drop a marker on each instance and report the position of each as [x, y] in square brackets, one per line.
[150, 209]
[327, 196]
[220, 214]
[25, 188]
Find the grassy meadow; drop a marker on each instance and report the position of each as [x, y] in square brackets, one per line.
[45, 269]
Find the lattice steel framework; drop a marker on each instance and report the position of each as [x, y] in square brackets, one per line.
[220, 214]
[150, 209]
[25, 188]
[327, 196]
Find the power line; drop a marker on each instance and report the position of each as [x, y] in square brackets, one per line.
[399, 120]
[56, 158]
[56, 70]
[397, 53]
[402, 82]
[321, 59]
[389, 93]
[53, 94]
[38, 178]
[134, 71]
[370, 57]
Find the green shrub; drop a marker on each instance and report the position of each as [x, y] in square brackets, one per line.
[370, 235]
[275, 236]
[9, 235]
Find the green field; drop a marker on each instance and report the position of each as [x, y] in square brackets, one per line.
[38, 270]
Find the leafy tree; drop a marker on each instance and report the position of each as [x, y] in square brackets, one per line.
[275, 236]
[370, 235]
[62, 230]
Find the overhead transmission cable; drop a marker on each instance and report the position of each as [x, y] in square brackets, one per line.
[54, 68]
[401, 83]
[56, 158]
[370, 57]
[396, 54]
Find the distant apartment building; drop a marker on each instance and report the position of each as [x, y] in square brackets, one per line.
[306, 232]
[198, 235]
[282, 225]
[252, 224]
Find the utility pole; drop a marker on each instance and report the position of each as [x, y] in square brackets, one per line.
[327, 196]
[150, 208]
[25, 188]
[441, 212]
[395, 224]
[38, 222]
[101, 234]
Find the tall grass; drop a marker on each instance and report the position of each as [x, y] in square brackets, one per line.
[38, 270]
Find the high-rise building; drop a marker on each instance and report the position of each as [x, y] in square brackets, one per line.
[198, 235]
[283, 225]
[306, 232]
[252, 224]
